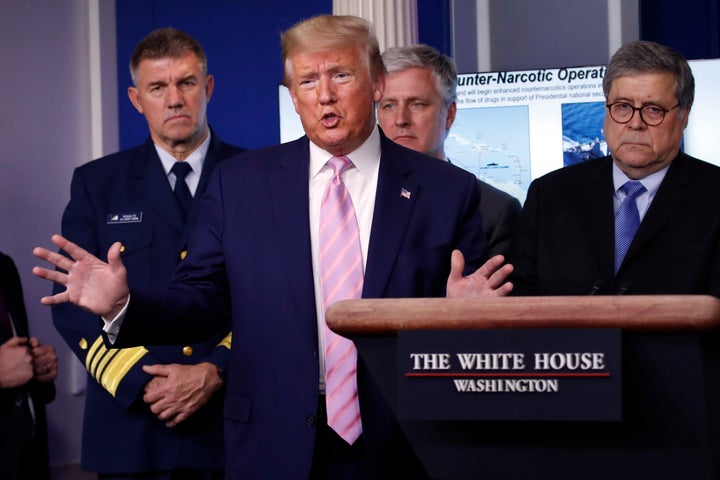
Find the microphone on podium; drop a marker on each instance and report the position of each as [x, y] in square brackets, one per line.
[597, 287]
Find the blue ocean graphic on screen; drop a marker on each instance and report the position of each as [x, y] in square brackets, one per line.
[582, 126]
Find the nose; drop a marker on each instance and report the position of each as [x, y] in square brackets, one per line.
[402, 116]
[636, 122]
[325, 90]
[175, 97]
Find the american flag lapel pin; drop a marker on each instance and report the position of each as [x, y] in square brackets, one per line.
[405, 193]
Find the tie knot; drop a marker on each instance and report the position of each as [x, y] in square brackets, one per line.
[632, 189]
[339, 165]
[181, 169]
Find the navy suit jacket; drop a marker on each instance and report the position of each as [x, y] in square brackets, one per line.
[251, 253]
[565, 242]
[15, 417]
[126, 197]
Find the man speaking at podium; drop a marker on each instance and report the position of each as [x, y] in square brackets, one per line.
[642, 220]
[284, 231]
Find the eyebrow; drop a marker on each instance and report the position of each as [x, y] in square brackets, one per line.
[414, 98]
[191, 76]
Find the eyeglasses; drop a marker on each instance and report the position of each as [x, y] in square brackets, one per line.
[652, 115]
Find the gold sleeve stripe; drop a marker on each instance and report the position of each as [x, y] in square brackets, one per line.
[226, 342]
[99, 371]
[119, 366]
[108, 366]
[95, 354]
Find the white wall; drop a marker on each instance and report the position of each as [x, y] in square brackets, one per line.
[45, 131]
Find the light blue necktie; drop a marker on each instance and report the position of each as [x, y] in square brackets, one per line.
[627, 220]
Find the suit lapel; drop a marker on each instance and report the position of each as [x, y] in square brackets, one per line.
[152, 184]
[390, 216]
[212, 158]
[668, 199]
[289, 186]
[601, 220]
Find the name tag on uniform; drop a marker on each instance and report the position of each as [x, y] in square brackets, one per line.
[130, 217]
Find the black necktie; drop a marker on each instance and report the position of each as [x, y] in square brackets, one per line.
[182, 192]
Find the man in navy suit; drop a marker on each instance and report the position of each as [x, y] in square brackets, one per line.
[255, 252]
[565, 242]
[151, 411]
[27, 372]
[418, 109]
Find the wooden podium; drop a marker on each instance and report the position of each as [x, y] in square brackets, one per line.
[670, 422]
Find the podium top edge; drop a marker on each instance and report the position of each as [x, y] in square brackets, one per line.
[633, 312]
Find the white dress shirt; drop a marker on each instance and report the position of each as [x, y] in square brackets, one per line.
[651, 183]
[196, 160]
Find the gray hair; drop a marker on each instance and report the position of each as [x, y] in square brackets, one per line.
[650, 57]
[397, 59]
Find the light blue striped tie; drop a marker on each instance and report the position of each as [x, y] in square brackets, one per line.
[627, 220]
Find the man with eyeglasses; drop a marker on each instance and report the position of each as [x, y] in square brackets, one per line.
[642, 220]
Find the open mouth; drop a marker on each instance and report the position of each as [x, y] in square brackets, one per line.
[330, 120]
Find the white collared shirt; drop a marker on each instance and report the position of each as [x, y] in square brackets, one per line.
[196, 160]
[361, 182]
[651, 183]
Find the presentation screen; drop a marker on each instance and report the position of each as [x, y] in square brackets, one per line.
[513, 127]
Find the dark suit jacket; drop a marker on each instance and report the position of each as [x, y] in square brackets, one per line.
[565, 241]
[252, 249]
[500, 215]
[19, 444]
[126, 197]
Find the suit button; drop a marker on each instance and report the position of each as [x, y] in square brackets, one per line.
[187, 350]
[315, 355]
[83, 344]
[310, 421]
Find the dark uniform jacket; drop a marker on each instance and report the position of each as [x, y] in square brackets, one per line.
[126, 197]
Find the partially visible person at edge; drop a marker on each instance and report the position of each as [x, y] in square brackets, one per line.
[418, 109]
[153, 411]
[27, 372]
[565, 241]
[260, 249]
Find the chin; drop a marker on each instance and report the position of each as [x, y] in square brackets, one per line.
[181, 133]
[407, 143]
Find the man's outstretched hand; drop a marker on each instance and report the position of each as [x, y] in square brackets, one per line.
[90, 283]
[486, 281]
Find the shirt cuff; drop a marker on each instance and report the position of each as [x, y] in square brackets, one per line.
[112, 327]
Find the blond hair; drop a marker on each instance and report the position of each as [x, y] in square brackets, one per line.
[329, 32]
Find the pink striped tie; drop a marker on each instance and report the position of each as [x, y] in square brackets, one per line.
[341, 279]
